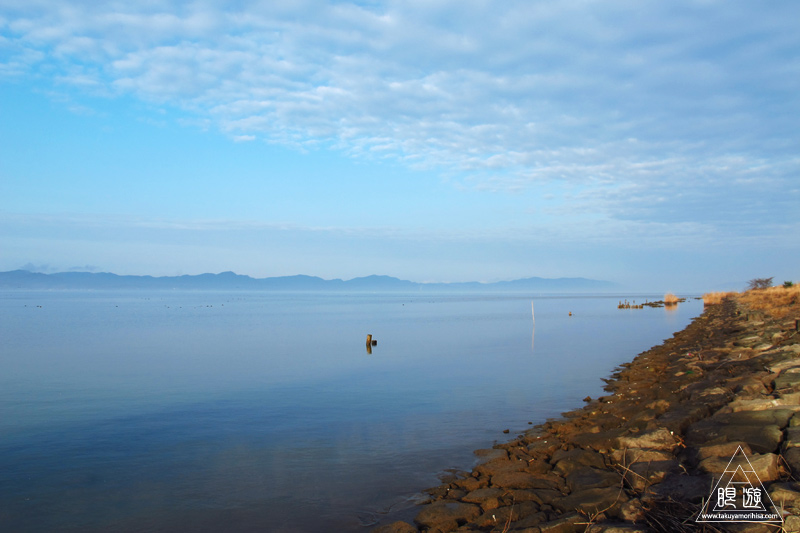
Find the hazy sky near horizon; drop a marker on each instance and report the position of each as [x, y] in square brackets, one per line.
[654, 144]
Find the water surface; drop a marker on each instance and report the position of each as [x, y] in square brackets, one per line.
[208, 411]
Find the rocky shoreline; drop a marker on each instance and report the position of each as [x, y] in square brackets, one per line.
[647, 456]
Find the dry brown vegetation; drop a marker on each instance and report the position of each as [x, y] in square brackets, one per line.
[711, 298]
[670, 299]
[776, 301]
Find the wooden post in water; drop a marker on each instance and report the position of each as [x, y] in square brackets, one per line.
[369, 340]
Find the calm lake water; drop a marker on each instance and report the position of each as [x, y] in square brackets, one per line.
[234, 411]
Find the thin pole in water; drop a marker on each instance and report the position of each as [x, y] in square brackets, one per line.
[533, 317]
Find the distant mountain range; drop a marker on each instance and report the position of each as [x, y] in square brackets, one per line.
[23, 279]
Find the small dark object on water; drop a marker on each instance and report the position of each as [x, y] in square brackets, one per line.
[587, 399]
[506, 431]
[374, 343]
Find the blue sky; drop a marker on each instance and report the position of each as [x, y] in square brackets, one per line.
[655, 144]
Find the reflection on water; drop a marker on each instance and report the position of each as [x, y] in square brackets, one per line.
[201, 411]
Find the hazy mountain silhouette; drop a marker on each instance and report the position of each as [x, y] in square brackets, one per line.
[23, 279]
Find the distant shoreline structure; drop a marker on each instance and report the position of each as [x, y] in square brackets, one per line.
[23, 279]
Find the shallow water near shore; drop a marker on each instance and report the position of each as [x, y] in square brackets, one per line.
[209, 411]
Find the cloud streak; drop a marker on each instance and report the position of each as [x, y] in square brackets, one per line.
[645, 107]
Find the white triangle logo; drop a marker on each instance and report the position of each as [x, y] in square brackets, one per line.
[739, 496]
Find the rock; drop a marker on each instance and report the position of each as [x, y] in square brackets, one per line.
[785, 494]
[567, 462]
[792, 458]
[603, 441]
[396, 527]
[488, 498]
[627, 457]
[659, 439]
[446, 515]
[505, 515]
[499, 466]
[523, 480]
[765, 466]
[471, 483]
[787, 381]
[530, 521]
[792, 437]
[766, 415]
[761, 439]
[786, 364]
[491, 454]
[572, 523]
[725, 449]
[588, 477]
[680, 487]
[641, 475]
[616, 528]
[592, 501]
[761, 404]
[680, 418]
[632, 511]
[791, 524]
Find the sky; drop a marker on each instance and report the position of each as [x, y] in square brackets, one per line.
[653, 144]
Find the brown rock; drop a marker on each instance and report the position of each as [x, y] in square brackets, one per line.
[568, 461]
[632, 511]
[446, 515]
[471, 483]
[396, 527]
[766, 466]
[491, 454]
[760, 438]
[501, 466]
[659, 439]
[785, 494]
[592, 501]
[792, 458]
[488, 498]
[725, 449]
[680, 487]
[523, 480]
[629, 456]
[505, 515]
[641, 475]
[572, 523]
[616, 528]
[588, 477]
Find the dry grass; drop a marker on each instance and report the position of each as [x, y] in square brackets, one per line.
[670, 299]
[776, 301]
[711, 298]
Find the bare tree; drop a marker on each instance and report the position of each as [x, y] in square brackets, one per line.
[759, 283]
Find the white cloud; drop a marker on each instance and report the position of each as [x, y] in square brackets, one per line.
[634, 102]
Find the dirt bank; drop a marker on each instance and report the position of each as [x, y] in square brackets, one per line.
[647, 456]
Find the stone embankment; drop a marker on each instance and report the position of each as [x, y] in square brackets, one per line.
[647, 456]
